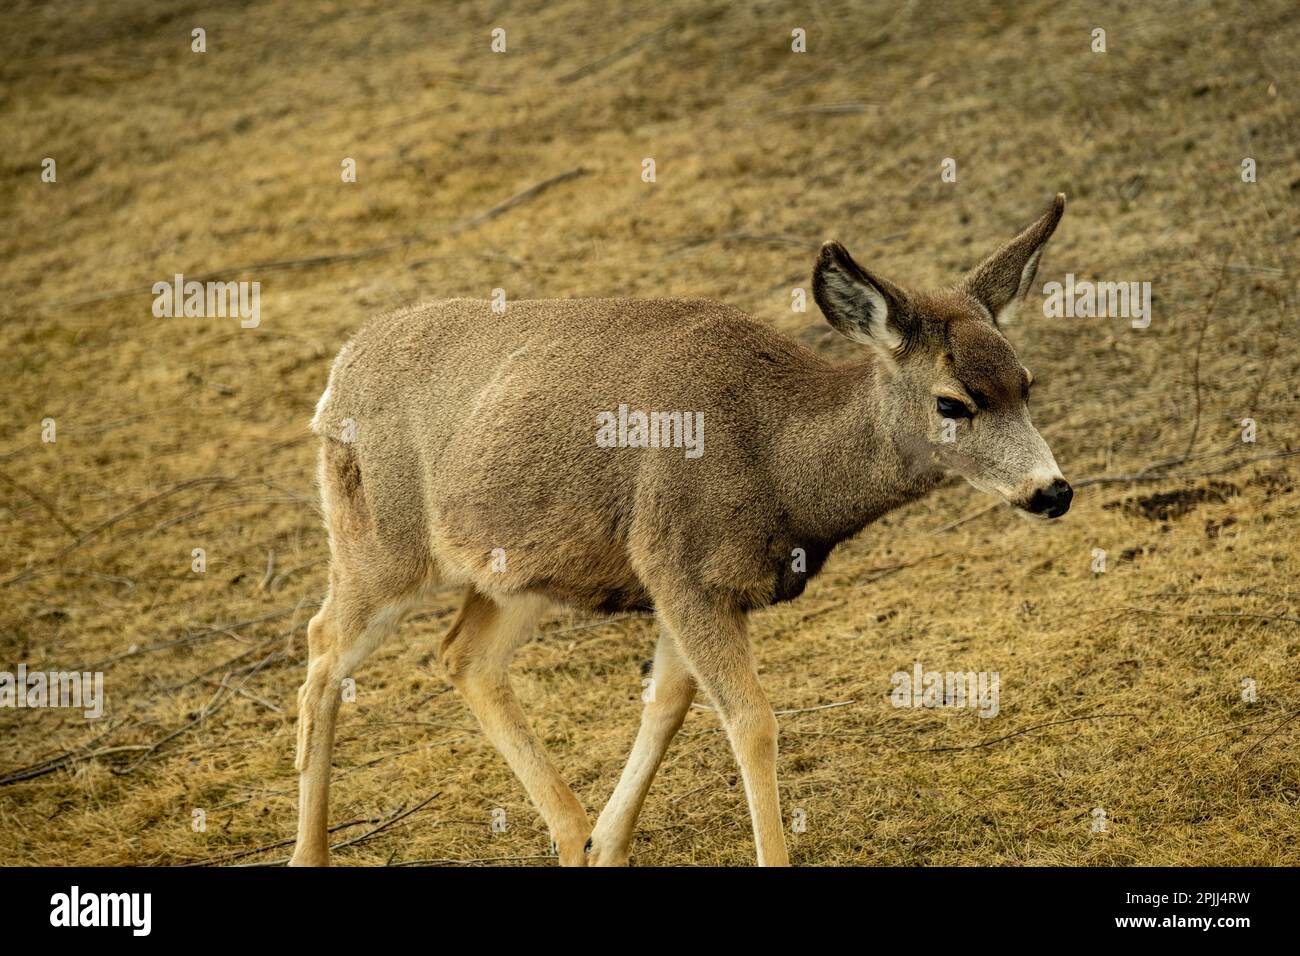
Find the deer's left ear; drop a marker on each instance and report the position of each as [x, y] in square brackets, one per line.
[1002, 280]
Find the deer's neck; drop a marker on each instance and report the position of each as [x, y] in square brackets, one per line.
[847, 454]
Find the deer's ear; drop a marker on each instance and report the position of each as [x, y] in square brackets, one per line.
[857, 304]
[1003, 279]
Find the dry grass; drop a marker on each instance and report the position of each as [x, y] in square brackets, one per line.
[1119, 691]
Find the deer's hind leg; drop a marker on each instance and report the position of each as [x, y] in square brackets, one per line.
[476, 654]
[341, 635]
[371, 586]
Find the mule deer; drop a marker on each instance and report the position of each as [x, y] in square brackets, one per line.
[459, 447]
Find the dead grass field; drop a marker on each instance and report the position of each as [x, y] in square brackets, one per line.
[1120, 691]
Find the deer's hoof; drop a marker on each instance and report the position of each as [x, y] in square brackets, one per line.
[602, 856]
[301, 858]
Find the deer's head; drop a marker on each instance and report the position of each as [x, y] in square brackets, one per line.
[952, 384]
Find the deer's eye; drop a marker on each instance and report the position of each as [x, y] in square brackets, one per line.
[951, 408]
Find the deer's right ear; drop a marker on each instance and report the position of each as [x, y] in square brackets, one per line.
[857, 304]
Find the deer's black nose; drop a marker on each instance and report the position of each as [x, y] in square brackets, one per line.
[1054, 500]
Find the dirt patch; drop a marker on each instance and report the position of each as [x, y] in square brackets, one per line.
[1166, 505]
[1273, 482]
[1213, 527]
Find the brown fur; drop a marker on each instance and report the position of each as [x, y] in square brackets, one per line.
[475, 431]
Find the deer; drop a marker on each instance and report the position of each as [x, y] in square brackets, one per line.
[458, 449]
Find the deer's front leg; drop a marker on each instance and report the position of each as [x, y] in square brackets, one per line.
[716, 648]
[672, 690]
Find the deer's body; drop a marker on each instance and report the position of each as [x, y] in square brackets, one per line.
[460, 446]
[434, 390]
